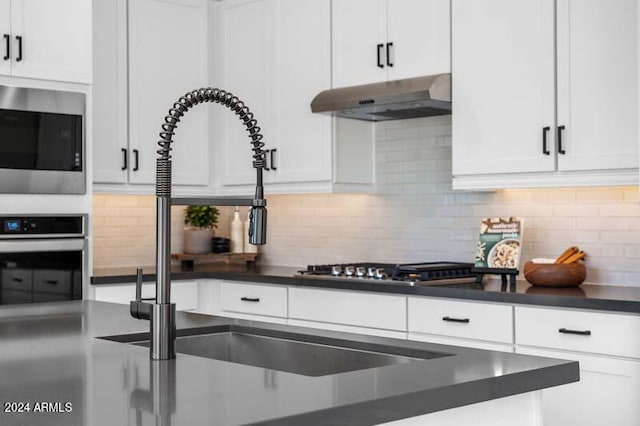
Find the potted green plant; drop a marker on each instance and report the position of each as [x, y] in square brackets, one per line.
[201, 221]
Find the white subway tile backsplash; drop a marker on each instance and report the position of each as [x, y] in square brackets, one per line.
[415, 216]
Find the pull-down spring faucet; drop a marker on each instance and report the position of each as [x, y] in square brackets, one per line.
[162, 312]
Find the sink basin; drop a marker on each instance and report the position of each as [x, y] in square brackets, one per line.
[296, 353]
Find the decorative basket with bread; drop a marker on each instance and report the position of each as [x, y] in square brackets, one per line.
[568, 270]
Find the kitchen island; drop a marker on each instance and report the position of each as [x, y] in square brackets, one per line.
[52, 356]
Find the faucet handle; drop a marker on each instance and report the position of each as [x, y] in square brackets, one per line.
[138, 284]
[138, 308]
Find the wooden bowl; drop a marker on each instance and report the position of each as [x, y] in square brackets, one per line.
[555, 274]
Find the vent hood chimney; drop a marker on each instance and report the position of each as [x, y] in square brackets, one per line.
[391, 100]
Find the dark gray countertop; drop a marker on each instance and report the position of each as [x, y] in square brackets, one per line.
[50, 353]
[587, 296]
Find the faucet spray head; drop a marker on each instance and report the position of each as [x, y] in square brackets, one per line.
[258, 226]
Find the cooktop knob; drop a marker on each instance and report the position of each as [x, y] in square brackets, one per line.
[361, 271]
[371, 272]
[336, 270]
[380, 274]
[349, 271]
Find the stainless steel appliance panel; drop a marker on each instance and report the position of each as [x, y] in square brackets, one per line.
[42, 141]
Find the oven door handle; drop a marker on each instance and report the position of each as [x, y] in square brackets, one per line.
[35, 246]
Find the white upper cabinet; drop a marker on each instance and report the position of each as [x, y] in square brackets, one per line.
[380, 40]
[289, 64]
[419, 37]
[243, 66]
[302, 140]
[598, 84]
[506, 59]
[167, 58]
[148, 53]
[359, 39]
[503, 86]
[110, 146]
[5, 32]
[48, 40]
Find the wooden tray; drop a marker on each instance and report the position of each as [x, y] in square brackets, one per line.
[188, 260]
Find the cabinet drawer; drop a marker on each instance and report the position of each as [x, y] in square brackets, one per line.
[594, 332]
[52, 281]
[17, 279]
[481, 321]
[355, 308]
[254, 299]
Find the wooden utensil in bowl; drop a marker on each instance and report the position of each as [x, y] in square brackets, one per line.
[555, 274]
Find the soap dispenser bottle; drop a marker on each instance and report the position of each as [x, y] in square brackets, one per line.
[237, 240]
[248, 248]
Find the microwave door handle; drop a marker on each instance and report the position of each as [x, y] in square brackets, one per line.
[35, 246]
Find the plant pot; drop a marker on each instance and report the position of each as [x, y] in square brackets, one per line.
[197, 241]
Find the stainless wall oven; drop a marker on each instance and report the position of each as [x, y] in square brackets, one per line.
[42, 141]
[42, 258]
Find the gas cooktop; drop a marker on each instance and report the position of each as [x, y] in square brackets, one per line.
[427, 273]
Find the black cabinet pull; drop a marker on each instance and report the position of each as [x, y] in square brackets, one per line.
[19, 58]
[273, 160]
[136, 162]
[7, 48]
[578, 332]
[380, 64]
[389, 46]
[18, 280]
[250, 299]
[53, 282]
[462, 320]
[545, 149]
[266, 160]
[560, 150]
[124, 159]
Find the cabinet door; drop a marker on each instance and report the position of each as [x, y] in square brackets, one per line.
[302, 69]
[420, 33]
[56, 39]
[110, 147]
[245, 47]
[5, 31]
[167, 58]
[607, 393]
[358, 26]
[503, 86]
[598, 84]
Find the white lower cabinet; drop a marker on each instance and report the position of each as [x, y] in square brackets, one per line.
[607, 393]
[607, 348]
[348, 308]
[463, 320]
[183, 293]
[254, 301]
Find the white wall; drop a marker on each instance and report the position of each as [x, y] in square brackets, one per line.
[417, 217]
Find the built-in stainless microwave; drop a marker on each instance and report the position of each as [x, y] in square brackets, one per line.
[42, 141]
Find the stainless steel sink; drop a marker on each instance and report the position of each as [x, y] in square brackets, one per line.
[304, 354]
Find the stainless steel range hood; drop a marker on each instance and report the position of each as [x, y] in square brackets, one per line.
[390, 100]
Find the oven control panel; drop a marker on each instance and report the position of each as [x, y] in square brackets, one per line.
[41, 226]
